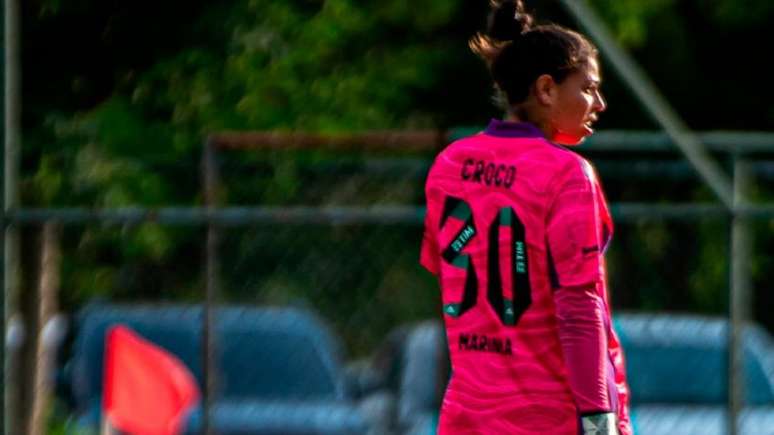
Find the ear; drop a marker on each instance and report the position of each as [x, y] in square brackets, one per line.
[545, 90]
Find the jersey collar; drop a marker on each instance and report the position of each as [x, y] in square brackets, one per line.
[511, 129]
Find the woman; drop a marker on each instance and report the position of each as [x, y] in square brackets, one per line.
[516, 229]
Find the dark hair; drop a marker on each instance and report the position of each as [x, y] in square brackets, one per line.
[518, 52]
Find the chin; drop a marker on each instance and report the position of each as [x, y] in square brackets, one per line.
[568, 139]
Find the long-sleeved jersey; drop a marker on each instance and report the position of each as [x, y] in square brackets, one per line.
[516, 228]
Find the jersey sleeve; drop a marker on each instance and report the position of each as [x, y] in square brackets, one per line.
[574, 232]
[574, 229]
[617, 356]
[580, 322]
[430, 254]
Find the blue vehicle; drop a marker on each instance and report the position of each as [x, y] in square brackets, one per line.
[677, 367]
[278, 370]
[678, 375]
[282, 371]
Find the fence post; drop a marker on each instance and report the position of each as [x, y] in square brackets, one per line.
[739, 303]
[11, 414]
[49, 328]
[210, 175]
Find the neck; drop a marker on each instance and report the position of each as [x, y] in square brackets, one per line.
[520, 114]
[517, 114]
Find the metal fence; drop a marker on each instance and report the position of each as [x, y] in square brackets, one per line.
[331, 225]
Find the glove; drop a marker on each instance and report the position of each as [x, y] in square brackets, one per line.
[600, 424]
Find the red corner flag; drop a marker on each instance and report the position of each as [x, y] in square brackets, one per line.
[148, 391]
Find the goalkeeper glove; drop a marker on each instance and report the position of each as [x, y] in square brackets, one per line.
[600, 424]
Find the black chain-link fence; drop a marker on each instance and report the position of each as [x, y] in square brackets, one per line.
[323, 321]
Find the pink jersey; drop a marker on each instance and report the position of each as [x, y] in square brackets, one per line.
[515, 230]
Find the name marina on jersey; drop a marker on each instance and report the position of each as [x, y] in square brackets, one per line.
[484, 343]
[488, 173]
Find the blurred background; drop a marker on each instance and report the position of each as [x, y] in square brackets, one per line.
[139, 105]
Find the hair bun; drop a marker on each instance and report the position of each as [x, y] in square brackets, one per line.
[508, 20]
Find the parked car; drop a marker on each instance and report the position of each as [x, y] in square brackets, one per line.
[677, 367]
[278, 370]
[282, 371]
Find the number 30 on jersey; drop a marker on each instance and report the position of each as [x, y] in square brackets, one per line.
[509, 310]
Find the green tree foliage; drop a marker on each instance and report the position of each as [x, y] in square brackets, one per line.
[320, 66]
[134, 133]
[629, 19]
[120, 95]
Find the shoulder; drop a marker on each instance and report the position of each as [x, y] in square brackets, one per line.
[452, 153]
[468, 143]
[560, 162]
[573, 171]
[565, 157]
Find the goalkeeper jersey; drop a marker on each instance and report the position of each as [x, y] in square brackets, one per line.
[515, 230]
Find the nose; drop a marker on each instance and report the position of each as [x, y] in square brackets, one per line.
[600, 105]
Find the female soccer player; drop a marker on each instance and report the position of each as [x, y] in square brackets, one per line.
[516, 229]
